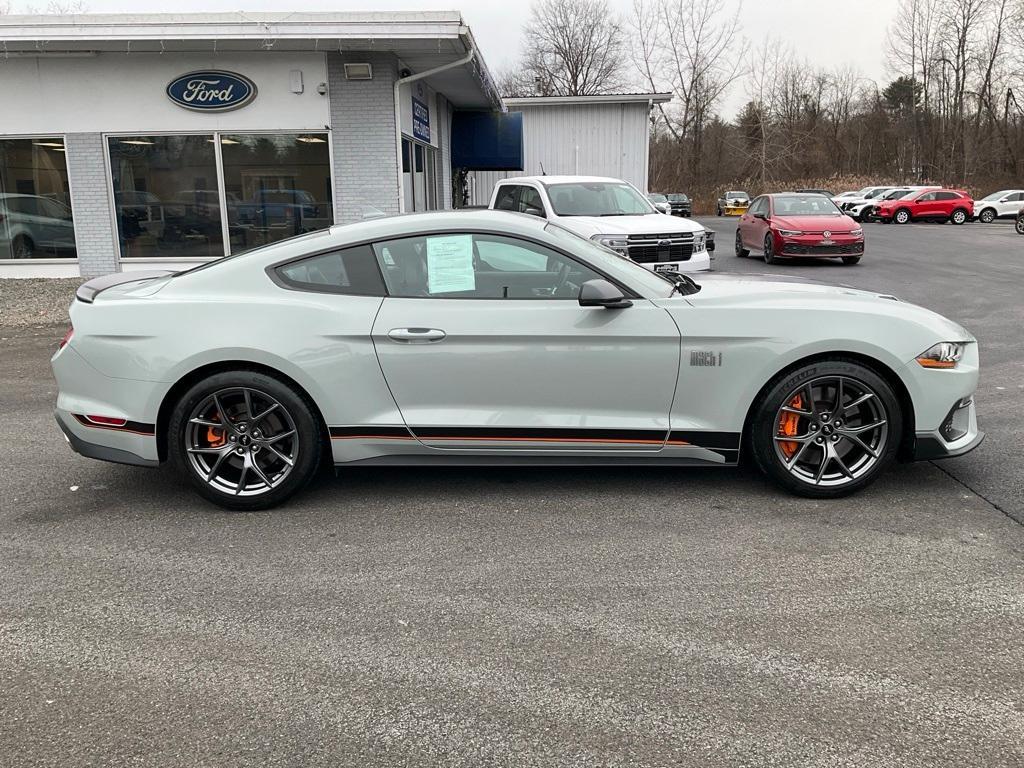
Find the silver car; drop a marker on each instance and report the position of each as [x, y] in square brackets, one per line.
[490, 338]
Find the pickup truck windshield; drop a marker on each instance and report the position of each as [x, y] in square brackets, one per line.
[598, 198]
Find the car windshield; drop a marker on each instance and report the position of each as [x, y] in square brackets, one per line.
[598, 198]
[656, 198]
[805, 205]
[608, 261]
[737, 195]
[677, 198]
[876, 192]
[998, 195]
[897, 194]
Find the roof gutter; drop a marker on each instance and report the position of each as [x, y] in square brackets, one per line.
[398, 114]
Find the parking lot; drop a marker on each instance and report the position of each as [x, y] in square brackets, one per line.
[531, 617]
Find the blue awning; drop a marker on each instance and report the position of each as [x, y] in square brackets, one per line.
[487, 141]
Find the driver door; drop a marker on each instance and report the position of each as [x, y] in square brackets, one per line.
[485, 348]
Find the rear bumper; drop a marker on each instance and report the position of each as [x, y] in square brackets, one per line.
[91, 450]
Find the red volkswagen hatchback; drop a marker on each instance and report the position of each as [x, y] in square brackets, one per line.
[942, 204]
[793, 225]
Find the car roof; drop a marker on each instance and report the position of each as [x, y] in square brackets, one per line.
[548, 180]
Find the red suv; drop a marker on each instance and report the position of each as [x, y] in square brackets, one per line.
[943, 204]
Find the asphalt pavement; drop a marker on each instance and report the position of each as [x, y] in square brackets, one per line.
[430, 617]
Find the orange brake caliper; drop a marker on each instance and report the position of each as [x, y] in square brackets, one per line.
[788, 425]
[215, 436]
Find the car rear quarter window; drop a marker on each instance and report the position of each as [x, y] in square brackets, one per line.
[350, 271]
[947, 196]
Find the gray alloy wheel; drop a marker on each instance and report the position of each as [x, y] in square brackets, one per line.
[959, 216]
[241, 441]
[826, 429]
[987, 216]
[902, 216]
[741, 252]
[245, 439]
[22, 247]
[1019, 225]
[769, 250]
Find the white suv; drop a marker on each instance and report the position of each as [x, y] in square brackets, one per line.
[998, 205]
[611, 212]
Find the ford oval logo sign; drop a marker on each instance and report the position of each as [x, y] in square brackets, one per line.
[211, 91]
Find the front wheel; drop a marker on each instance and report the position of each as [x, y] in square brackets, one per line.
[959, 216]
[245, 440]
[741, 252]
[769, 250]
[902, 216]
[719, 211]
[826, 429]
[987, 216]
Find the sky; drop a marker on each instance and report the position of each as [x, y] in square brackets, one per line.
[824, 32]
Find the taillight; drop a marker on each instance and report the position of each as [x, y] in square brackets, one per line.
[107, 421]
[67, 338]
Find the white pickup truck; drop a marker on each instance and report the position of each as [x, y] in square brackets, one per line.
[611, 212]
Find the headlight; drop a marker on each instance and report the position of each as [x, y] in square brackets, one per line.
[790, 232]
[618, 243]
[856, 232]
[945, 354]
[699, 242]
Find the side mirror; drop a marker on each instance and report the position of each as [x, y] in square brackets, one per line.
[762, 216]
[601, 293]
[1005, 200]
[534, 212]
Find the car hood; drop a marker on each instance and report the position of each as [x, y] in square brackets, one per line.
[771, 291]
[834, 224]
[651, 224]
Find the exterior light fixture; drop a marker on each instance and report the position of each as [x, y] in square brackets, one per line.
[358, 71]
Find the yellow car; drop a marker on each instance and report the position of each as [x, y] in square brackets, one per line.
[733, 203]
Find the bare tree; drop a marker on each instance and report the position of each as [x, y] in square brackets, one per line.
[572, 48]
[686, 47]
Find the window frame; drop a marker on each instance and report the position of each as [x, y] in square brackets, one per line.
[63, 136]
[327, 133]
[271, 273]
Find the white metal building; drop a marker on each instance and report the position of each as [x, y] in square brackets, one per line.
[572, 135]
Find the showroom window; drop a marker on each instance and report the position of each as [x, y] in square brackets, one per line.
[165, 196]
[167, 191]
[276, 185]
[35, 204]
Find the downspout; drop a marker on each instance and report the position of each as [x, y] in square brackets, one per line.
[398, 114]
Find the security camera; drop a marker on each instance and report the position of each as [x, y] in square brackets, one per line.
[322, 89]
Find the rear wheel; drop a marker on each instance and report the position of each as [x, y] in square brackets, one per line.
[902, 216]
[826, 429]
[769, 250]
[959, 216]
[741, 252]
[987, 216]
[22, 247]
[1019, 225]
[245, 440]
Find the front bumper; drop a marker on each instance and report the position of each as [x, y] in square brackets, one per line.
[698, 262]
[958, 434]
[734, 210]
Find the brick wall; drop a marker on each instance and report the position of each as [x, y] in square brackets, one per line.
[363, 137]
[90, 204]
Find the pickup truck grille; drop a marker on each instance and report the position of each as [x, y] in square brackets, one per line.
[648, 249]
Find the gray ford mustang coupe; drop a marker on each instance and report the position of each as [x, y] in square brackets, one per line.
[493, 338]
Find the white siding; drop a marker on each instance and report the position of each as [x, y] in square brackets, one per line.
[585, 139]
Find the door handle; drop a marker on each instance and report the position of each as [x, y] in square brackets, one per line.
[416, 335]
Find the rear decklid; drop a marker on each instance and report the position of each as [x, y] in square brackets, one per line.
[87, 292]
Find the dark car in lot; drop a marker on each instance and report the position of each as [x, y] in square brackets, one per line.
[679, 204]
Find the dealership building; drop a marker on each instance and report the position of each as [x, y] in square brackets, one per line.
[161, 140]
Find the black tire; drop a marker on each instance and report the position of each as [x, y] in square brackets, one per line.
[987, 216]
[763, 426]
[851, 260]
[959, 216]
[308, 446]
[902, 216]
[22, 247]
[741, 252]
[864, 214]
[719, 211]
[1019, 225]
[769, 250]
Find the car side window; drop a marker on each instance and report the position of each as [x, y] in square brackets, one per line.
[530, 198]
[759, 206]
[947, 196]
[506, 198]
[478, 266]
[1014, 198]
[351, 271]
[927, 197]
